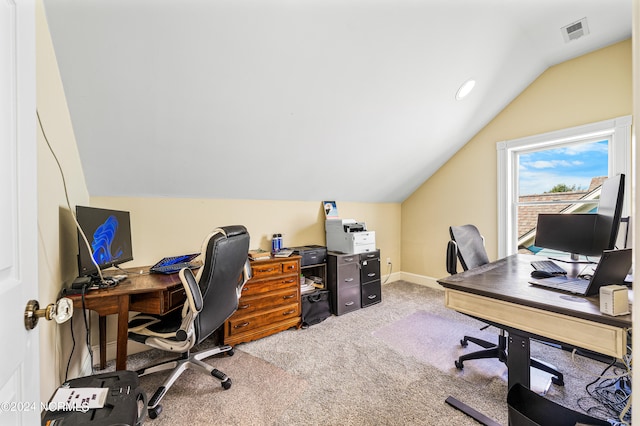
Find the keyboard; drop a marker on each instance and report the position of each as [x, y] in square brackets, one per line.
[548, 266]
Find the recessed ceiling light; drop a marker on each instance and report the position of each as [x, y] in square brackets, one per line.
[465, 89]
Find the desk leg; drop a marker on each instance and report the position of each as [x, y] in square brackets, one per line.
[519, 360]
[123, 329]
[102, 325]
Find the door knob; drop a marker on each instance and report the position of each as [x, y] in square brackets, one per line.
[61, 311]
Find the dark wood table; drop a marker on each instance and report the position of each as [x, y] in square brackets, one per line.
[500, 294]
[147, 293]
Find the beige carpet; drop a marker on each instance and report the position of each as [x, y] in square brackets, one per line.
[382, 365]
[259, 394]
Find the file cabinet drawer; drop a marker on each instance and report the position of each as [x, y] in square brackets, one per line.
[269, 302]
[266, 286]
[348, 300]
[248, 305]
[243, 324]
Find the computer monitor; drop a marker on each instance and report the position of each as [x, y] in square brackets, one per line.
[109, 234]
[583, 233]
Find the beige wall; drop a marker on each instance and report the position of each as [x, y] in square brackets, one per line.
[591, 88]
[168, 226]
[56, 231]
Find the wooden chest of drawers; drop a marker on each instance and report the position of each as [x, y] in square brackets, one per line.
[270, 301]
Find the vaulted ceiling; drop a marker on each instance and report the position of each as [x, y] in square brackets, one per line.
[352, 100]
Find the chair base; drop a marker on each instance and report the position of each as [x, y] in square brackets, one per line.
[179, 365]
[499, 351]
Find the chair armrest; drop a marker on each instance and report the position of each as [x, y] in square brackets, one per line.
[452, 257]
[192, 289]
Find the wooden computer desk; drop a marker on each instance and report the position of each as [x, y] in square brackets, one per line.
[146, 293]
[500, 294]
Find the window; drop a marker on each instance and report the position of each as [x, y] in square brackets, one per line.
[557, 172]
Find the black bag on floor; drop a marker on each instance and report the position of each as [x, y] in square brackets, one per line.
[315, 307]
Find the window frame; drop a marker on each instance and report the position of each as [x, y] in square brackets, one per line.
[617, 131]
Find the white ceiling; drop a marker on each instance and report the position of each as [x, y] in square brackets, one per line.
[352, 100]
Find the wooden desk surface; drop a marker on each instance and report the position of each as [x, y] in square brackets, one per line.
[136, 283]
[499, 293]
[508, 280]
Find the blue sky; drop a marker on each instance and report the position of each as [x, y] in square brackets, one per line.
[572, 165]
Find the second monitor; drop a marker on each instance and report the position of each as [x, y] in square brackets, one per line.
[585, 233]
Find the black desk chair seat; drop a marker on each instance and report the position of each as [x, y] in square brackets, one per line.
[467, 246]
[212, 297]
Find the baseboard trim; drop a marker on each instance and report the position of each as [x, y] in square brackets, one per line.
[421, 280]
[132, 348]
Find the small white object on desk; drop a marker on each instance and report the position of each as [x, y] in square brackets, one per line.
[614, 300]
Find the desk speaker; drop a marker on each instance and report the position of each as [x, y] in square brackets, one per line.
[614, 300]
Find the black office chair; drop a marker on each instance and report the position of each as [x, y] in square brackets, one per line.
[212, 297]
[467, 245]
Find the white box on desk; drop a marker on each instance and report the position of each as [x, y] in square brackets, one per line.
[614, 300]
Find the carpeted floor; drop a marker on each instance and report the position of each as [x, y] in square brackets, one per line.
[387, 364]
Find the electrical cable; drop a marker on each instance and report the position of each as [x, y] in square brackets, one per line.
[389, 274]
[87, 329]
[612, 399]
[66, 195]
[73, 348]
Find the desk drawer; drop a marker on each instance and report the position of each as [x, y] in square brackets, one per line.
[243, 324]
[254, 287]
[160, 302]
[262, 269]
[248, 305]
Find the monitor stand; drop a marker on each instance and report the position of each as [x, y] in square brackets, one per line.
[574, 259]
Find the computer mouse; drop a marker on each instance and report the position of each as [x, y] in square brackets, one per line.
[541, 274]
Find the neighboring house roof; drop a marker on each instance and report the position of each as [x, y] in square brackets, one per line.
[528, 215]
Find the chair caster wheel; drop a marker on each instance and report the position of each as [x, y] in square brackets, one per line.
[459, 365]
[226, 384]
[464, 343]
[557, 381]
[230, 352]
[155, 411]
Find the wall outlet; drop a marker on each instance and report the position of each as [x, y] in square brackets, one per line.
[388, 261]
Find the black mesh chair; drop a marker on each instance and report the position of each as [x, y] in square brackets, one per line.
[467, 246]
[212, 297]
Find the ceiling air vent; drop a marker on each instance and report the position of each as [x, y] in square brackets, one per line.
[575, 30]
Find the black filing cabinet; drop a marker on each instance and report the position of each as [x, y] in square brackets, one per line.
[370, 278]
[343, 272]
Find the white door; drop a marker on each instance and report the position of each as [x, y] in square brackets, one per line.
[19, 359]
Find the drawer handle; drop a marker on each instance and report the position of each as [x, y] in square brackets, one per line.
[267, 270]
[289, 296]
[289, 312]
[290, 266]
[371, 256]
[245, 288]
[373, 296]
[348, 280]
[289, 281]
[348, 259]
[373, 274]
[349, 303]
[244, 306]
[244, 324]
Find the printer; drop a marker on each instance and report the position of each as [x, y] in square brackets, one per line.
[349, 236]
